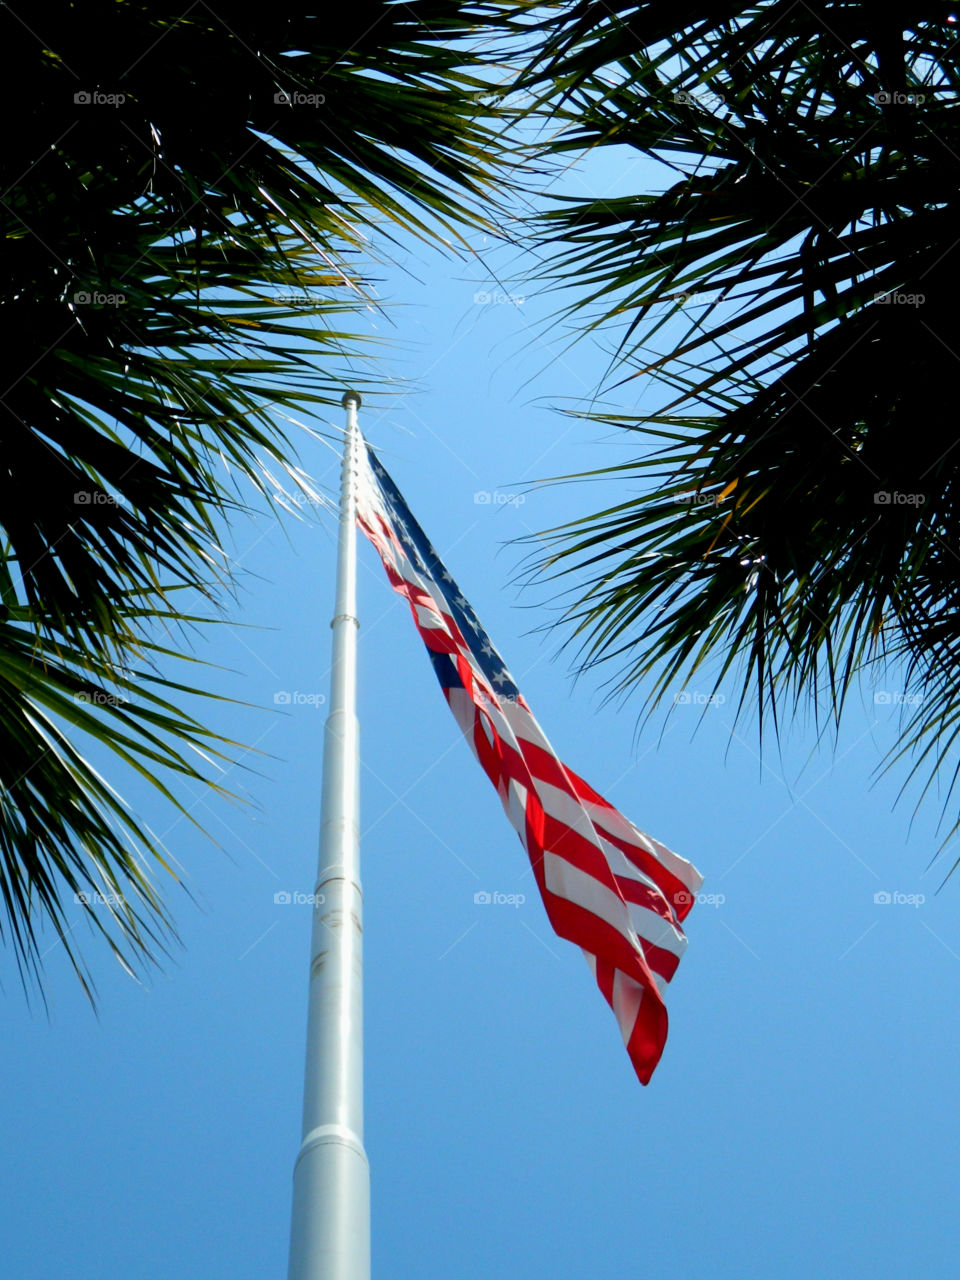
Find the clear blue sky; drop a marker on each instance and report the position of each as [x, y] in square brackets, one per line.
[802, 1120]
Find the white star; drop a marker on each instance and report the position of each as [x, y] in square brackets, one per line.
[500, 678]
[488, 650]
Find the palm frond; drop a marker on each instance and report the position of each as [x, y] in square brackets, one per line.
[790, 297]
[189, 206]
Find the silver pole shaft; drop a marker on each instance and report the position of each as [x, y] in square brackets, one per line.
[330, 1229]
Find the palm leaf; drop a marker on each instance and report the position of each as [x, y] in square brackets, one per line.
[188, 216]
[811, 157]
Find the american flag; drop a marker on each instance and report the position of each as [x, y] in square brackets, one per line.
[606, 886]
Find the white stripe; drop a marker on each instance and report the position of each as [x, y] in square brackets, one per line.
[429, 618]
[576, 886]
[642, 922]
[516, 807]
[464, 712]
[653, 928]
[648, 924]
[526, 729]
[627, 995]
[564, 808]
[618, 825]
[630, 920]
[436, 618]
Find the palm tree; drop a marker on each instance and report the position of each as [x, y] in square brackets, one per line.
[799, 470]
[188, 200]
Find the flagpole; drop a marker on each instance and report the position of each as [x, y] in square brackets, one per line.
[330, 1227]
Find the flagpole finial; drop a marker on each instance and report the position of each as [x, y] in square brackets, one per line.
[351, 397]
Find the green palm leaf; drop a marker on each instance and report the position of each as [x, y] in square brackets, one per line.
[189, 202]
[796, 515]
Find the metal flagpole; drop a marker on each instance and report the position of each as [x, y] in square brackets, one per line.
[330, 1228]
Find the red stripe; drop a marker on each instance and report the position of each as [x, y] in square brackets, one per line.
[644, 896]
[547, 766]
[605, 976]
[648, 1037]
[663, 963]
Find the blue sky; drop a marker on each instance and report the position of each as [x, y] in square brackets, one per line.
[801, 1118]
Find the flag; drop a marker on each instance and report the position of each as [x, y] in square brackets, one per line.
[606, 886]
